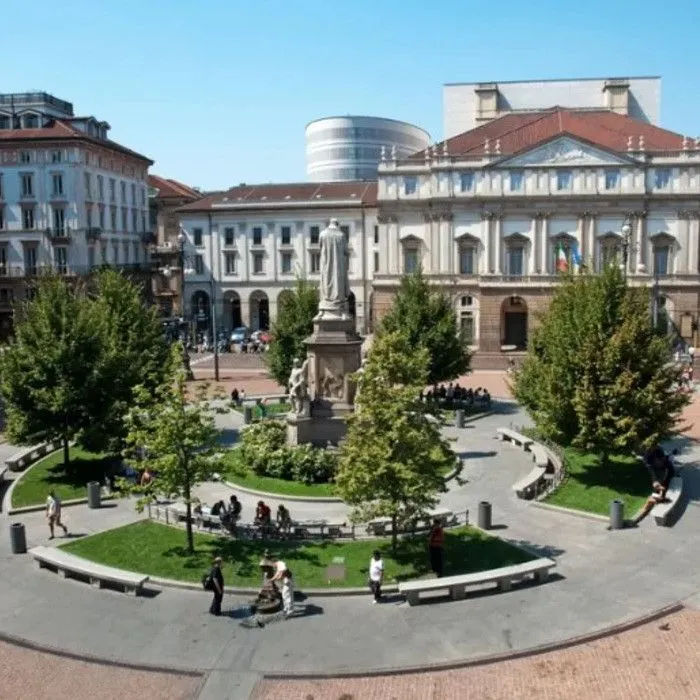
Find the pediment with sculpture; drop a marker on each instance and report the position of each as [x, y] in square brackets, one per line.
[564, 151]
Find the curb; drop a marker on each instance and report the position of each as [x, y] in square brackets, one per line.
[571, 511]
[64, 504]
[282, 496]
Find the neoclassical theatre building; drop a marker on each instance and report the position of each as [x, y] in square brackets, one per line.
[487, 212]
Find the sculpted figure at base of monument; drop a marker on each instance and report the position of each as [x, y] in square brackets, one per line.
[299, 388]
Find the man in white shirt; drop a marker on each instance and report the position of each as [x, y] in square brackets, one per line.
[376, 575]
[53, 513]
[284, 576]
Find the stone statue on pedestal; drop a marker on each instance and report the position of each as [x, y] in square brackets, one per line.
[334, 273]
[299, 388]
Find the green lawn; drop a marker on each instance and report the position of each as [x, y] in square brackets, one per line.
[159, 550]
[48, 473]
[589, 486]
[238, 474]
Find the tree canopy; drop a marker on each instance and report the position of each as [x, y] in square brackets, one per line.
[295, 314]
[426, 317]
[597, 375]
[393, 460]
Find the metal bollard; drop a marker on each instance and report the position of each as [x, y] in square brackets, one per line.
[18, 539]
[459, 418]
[93, 494]
[247, 415]
[617, 515]
[484, 515]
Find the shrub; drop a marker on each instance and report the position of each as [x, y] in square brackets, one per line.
[312, 465]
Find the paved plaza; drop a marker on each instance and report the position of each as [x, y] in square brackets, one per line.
[602, 579]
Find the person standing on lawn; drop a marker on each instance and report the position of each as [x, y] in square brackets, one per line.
[53, 513]
[436, 546]
[376, 575]
[217, 580]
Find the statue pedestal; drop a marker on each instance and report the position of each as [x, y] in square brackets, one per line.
[333, 354]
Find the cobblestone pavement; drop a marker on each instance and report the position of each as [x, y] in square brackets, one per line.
[26, 673]
[660, 658]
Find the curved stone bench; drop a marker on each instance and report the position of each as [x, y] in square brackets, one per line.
[22, 459]
[457, 585]
[506, 434]
[529, 485]
[663, 512]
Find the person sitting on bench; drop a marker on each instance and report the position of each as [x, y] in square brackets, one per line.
[660, 467]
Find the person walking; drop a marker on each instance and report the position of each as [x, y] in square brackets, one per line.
[53, 513]
[217, 581]
[436, 545]
[376, 575]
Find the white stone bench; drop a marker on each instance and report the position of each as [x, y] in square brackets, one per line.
[663, 511]
[517, 438]
[539, 455]
[528, 486]
[382, 526]
[457, 585]
[22, 459]
[97, 574]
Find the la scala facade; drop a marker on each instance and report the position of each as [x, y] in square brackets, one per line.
[494, 214]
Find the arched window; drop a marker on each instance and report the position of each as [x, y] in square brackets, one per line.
[662, 249]
[411, 255]
[516, 249]
[610, 250]
[467, 249]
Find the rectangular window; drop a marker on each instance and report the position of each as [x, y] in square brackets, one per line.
[612, 178]
[662, 178]
[516, 180]
[257, 235]
[59, 220]
[27, 185]
[102, 217]
[466, 182]
[55, 156]
[0, 185]
[143, 221]
[124, 215]
[286, 263]
[229, 236]
[115, 253]
[410, 260]
[28, 217]
[376, 262]
[30, 260]
[112, 189]
[100, 187]
[88, 185]
[133, 194]
[661, 260]
[134, 220]
[4, 122]
[103, 253]
[466, 261]
[199, 264]
[286, 235]
[113, 218]
[197, 237]
[563, 180]
[126, 252]
[57, 180]
[466, 326]
[24, 157]
[2, 217]
[123, 189]
[515, 261]
[91, 256]
[314, 232]
[315, 262]
[230, 263]
[143, 196]
[376, 234]
[60, 259]
[88, 216]
[410, 185]
[258, 267]
[3, 260]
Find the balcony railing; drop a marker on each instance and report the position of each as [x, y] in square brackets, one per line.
[59, 234]
[93, 233]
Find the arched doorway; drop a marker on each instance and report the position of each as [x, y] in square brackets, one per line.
[352, 306]
[200, 311]
[514, 323]
[259, 311]
[232, 310]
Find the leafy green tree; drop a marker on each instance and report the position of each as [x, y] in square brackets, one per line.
[393, 460]
[427, 318]
[134, 353]
[597, 375]
[294, 324]
[52, 370]
[176, 438]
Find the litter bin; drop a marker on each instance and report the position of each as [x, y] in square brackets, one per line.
[484, 517]
[247, 414]
[459, 418]
[93, 494]
[617, 515]
[18, 539]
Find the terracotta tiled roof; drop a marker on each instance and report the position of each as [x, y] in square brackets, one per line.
[168, 187]
[258, 196]
[58, 130]
[521, 131]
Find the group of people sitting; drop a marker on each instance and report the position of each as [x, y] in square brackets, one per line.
[229, 515]
[454, 395]
[263, 519]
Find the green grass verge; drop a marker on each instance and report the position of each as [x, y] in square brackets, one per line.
[237, 473]
[159, 550]
[589, 486]
[48, 473]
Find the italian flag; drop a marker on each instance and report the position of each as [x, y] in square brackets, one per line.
[562, 262]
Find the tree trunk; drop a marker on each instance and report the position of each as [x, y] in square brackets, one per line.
[66, 455]
[394, 536]
[188, 519]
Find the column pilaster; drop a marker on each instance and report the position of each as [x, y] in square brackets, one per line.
[544, 244]
[642, 263]
[498, 253]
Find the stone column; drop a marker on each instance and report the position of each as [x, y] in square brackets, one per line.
[694, 233]
[581, 233]
[642, 242]
[486, 239]
[394, 246]
[684, 236]
[498, 235]
[590, 233]
[444, 233]
[634, 243]
[535, 257]
[544, 248]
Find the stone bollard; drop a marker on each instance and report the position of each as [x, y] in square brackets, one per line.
[617, 515]
[93, 494]
[18, 539]
[247, 414]
[459, 418]
[484, 515]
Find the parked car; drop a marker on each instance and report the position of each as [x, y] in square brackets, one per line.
[239, 335]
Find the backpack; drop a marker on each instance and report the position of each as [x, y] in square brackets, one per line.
[207, 581]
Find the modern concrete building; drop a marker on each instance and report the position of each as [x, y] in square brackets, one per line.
[489, 212]
[467, 105]
[349, 148]
[70, 198]
[248, 245]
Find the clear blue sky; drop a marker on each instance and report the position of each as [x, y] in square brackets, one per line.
[219, 93]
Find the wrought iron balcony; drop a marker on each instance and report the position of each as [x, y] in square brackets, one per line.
[59, 235]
